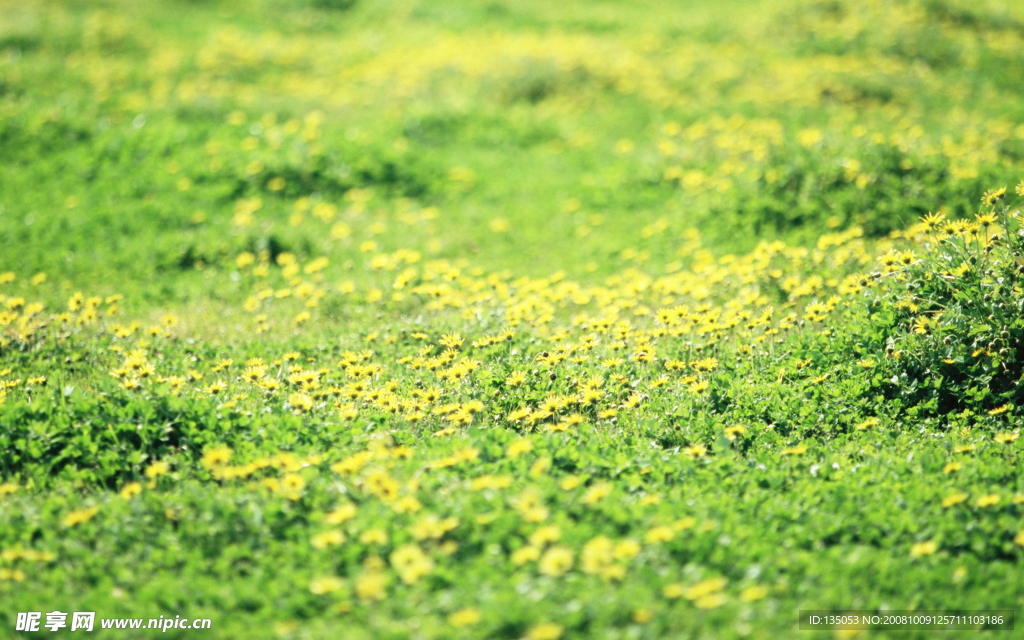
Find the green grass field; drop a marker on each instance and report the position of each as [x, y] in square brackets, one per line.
[511, 320]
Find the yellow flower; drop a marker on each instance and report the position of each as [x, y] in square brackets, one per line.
[131, 489]
[626, 549]
[695, 450]
[569, 483]
[926, 548]
[556, 561]
[992, 196]
[78, 516]
[216, 457]
[989, 500]
[343, 513]
[464, 617]
[293, 483]
[954, 499]
[372, 586]
[711, 601]
[300, 402]
[432, 527]
[596, 493]
[659, 534]
[705, 588]
[867, 424]
[525, 554]
[407, 504]
[642, 616]
[518, 448]
[157, 469]
[332, 537]
[731, 433]
[545, 535]
[751, 594]
[411, 563]
[597, 555]
[326, 584]
[545, 631]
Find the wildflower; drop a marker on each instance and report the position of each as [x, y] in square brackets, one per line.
[216, 457]
[452, 341]
[986, 219]
[932, 221]
[79, 516]
[954, 499]
[215, 388]
[642, 616]
[868, 424]
[157, 469]
[292, 484]
[596, 493]
[525, 554]
[430, 527]
[372, 586]
[556, 561]
[710, 601]
[698, 387]
[705, 588]
[569, 483]
[130, 490]
[464, 617]
[989, 500]
[626, 549]
[518, 447]
[751, 594]
[993, 196]
[341, 514]
[545, 535]
[735, 431]
[330, 538]
[545, 631]
[411, 563]
[597, 555]
[695, 450]
[374, 536]
[921, 549]
[659, 534]
[326, 584]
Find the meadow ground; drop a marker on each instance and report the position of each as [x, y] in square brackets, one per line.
[495, 319]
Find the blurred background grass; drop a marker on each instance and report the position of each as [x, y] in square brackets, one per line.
[536, 136]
